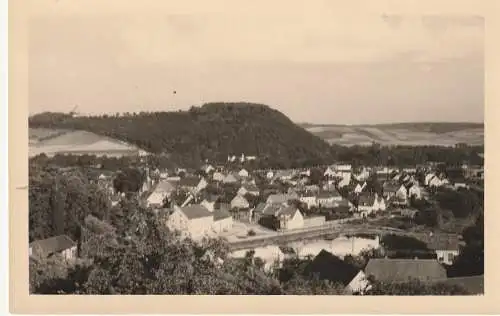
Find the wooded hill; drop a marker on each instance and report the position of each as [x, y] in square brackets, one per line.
[212, 131]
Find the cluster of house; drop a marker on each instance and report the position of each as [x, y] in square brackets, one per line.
[342, 190]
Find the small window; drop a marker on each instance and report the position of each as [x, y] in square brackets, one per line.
[451, 256]
[440, 259]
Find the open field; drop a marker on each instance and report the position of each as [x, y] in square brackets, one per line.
[411, 134]
[57, 141]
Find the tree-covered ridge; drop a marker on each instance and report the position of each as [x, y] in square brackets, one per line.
[212, 131]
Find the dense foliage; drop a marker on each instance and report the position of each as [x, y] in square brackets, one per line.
[59, 201]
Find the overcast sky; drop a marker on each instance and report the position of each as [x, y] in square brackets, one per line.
[314, 63]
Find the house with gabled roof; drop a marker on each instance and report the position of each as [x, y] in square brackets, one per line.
[218, 176]
[58, 245]
[231, 178]
[222, 220]
[369, 203]
[327, 266]
[282, 198]
[280, 217]
[209, 202]
[162, 190]
[309, 199]
[239, 202]
[404, 270]
[359, 187]
[345, 180]
[243, 173]
[328, 198]
[194, 221]
[249, 188]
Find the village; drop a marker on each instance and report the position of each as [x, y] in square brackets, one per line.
[323, 212]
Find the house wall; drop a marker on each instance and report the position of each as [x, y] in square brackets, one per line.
[309, 200]
[222, 225]
[314, 221]
[69, 253]
[297, 221]
[156, 199]
[358, 284]
[198, 227]
[239, 202]
[445, 255]
[242, 191]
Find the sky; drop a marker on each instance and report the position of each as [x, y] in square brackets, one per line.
[317, 64]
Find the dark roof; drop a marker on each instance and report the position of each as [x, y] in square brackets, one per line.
[441, 241]
[189, 182]
[473, 284]
[402, 270]
[250, 187]
[53, 244]
[329, 267]
[165, 186]
[221, 214]
[366, 200]
[212, 198]
[195, 211]
[281, 198]
[391, 187]
[271, 209]
[328, 194]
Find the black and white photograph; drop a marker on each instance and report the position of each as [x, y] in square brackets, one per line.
[241, 148]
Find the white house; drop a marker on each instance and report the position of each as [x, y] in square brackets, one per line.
[359, 188]
[346, 180]
[209, 202]
[428, 178]
[270, 175]
[243, 173]
[162, 190]
[328, 199]
[239, 202]
[415, 191]
[330, 267]
[290, 218]
[370, 203]
[309, 199]
[61, 245]
[223, 221]
[193, 220]
[402, 193]
[218, 176]
[230, 178]
[249, 189]
[329, 172]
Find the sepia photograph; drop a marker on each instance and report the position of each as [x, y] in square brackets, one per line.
[249, 149]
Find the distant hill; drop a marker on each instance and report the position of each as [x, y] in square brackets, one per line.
[411, 134]
[212, 131]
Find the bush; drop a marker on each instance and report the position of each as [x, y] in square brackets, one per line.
[251, 232]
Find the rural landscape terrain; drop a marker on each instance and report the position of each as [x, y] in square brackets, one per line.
[411, 134]
[254, 203]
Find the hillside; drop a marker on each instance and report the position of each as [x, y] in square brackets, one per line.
[212, 131]
[61, 141]
[411, 134]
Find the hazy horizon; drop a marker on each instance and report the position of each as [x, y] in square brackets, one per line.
[319, 64]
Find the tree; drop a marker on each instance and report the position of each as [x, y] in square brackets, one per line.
[471, 258]
[415, 287]
[129, 180]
